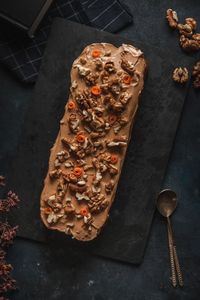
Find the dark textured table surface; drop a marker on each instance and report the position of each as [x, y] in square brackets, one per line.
[49, 273]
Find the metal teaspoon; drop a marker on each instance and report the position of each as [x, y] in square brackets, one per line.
[166, 205]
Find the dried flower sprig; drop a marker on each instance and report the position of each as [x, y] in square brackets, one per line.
[7, 234]
[2, 181]
[11, 201]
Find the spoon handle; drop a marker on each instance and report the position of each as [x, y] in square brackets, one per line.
[178, 269]
[171, 254]
[176, 260]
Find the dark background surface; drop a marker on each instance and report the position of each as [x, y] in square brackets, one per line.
[22, 11]
[45, 272]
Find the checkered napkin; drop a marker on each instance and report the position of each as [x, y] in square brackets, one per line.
[23, 55]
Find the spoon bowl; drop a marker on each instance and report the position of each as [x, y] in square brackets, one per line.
[166, 202]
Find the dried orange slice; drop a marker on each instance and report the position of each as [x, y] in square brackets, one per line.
[71, 105]
[96, 90]
[83, 211]
[96, 53]
[114, 158]
[78, 172]
[47, 210]
[80, 138]
[127, 79]
[112, 119]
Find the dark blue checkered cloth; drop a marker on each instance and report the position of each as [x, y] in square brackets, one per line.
[23, 55]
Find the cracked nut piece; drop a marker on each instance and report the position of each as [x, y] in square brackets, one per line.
[180, 75]
[196, 37]
[191, 22]
[188, 44]
[196, 69]
[128, 66]
[172, 18]
[196, 82]
[109, 67]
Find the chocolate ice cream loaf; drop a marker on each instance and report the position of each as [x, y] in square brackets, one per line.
[87, 157]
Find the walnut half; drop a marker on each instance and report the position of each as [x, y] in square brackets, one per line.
[196, 75]
[172, 18]
[180, 75]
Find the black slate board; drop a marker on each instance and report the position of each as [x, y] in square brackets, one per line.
[125, 235]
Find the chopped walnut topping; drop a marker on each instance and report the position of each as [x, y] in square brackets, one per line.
[81, 162]
[105, 88]
[69, 164]
[91, 78]
[109, 187]
[57, 207]
[57, 164]
[83, 61]
[123, 120]
[109, 67]
[81, 183]
[83, 71]
[172, 18]
[117, 127]
[74, 84]
[52, 218]
[75, 188]
[120, 141]
[68, 143]
[55, 173]
[112, 170]
[97, 203]
[69, 208]
[191, 22]
[69, 227]
[81, 197]
[96, 189]
[87, 167]
[62, 156]
[115, 86]
[180, 75]
[61, 189]
[98, 177]
[105, 76]
[98, 65]
[108, 53]
[88, 222]
[51, 200]
[73, 123]
[125, 97]
[128, 66]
